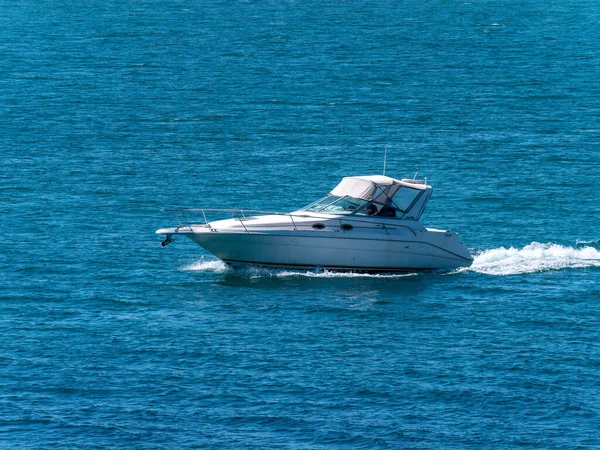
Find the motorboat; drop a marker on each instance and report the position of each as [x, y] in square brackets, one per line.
[365, 224]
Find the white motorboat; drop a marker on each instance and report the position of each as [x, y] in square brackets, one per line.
[365, 224]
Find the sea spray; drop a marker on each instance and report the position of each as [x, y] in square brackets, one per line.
[249, 271]
[535, 257]
[207, 265]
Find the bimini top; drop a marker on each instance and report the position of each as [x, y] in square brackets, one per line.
[370, 194]
[371, 187]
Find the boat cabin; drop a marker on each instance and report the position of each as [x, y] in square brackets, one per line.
[376, 195]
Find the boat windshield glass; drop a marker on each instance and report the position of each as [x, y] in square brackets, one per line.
[382, 206]
[397, 206]
[404, 197]
[337, 205]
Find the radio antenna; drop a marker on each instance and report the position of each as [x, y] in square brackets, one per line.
[385, 159]
[417, 173]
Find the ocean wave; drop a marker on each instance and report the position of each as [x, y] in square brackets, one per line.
[595, 244]
[535, 257]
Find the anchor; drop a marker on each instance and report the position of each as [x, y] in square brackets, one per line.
[167, 241]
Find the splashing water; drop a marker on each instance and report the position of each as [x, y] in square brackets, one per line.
[207, 265]
[594, 244]
[258, 272]
[534, 257]
[218, 266]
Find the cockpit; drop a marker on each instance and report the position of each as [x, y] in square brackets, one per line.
[375, 196]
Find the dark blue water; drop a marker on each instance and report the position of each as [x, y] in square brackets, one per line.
[112, 111]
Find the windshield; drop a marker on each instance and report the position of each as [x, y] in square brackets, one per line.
[337, 205]
[383, 206]
[405, 197]
[396, 206]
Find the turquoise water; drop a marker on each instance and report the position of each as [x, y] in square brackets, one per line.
[113, 111]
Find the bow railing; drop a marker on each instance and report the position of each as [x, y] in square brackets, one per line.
[346, 222]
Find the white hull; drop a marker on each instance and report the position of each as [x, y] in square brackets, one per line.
[369, 246]
[338, 253]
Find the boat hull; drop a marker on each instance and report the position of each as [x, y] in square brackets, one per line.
[338, 252]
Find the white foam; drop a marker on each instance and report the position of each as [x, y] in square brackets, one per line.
[207, 265]
[594, 243]
[218, 266]
[259, 272]
[533, 258]
[324, 274]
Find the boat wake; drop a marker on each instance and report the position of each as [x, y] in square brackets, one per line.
[535, 257]
[532, 258]
[594, 244]
[217, 266]
[258, 272]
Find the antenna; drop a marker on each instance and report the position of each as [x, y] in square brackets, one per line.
[385, 159]
[417, 173]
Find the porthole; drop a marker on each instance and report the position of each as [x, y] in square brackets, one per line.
[318, 226]
[347, 227]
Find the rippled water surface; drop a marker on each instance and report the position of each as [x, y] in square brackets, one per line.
[113, 111]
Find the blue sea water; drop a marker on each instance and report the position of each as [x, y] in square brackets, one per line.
[113, 111]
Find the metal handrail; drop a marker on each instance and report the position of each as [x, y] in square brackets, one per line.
[241, 214]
